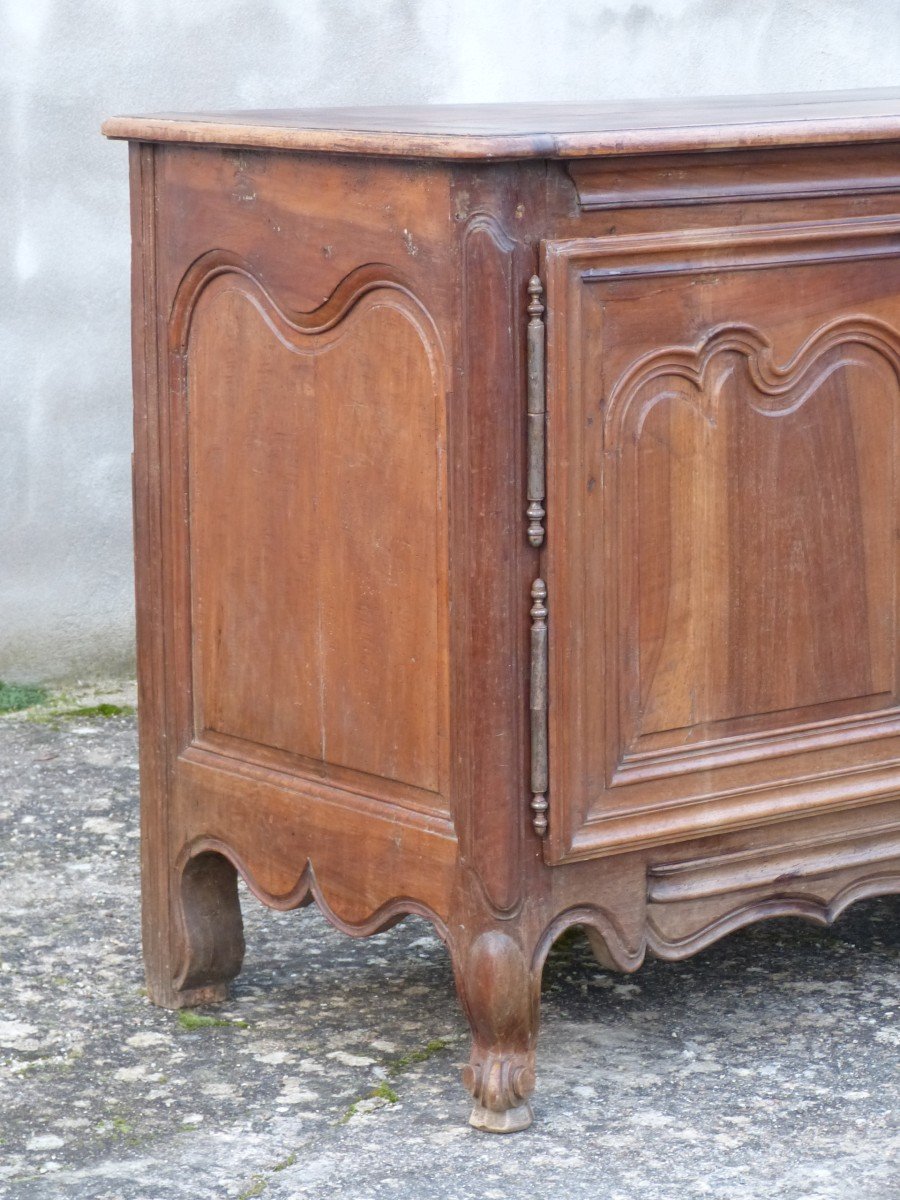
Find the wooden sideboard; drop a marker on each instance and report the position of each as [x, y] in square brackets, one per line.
[518, 516]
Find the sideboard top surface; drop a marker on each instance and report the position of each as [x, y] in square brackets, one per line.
[504, 131]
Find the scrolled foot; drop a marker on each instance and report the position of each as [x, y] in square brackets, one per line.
[194, 947]
[510, 1121]
[500, 1086]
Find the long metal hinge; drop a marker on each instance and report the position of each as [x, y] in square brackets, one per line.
[535, 512]
[538, 706]
[537, 415]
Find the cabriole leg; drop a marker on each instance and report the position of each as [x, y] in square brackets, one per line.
[500, 993]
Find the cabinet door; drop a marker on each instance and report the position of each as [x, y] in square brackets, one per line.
[722, 530]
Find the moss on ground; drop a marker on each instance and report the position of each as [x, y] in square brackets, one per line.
[48, 706]
[405, 1061]
[16, 696]
[256, 1187]
[192, 1021]
[85, 712]
[401, 1064]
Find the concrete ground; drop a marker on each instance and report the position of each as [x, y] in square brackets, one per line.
[765, 1068]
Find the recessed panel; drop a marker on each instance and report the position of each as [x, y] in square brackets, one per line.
[764, 562]
[318, 555]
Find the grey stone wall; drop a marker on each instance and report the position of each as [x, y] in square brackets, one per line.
[65, 531]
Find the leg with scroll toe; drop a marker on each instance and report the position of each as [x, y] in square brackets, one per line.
[193, 934]
[501, 995]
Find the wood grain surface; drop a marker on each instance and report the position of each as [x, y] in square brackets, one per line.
[342, 572]
[486, 131]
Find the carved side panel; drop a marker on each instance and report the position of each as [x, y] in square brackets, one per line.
[724, 506]
[317, 528]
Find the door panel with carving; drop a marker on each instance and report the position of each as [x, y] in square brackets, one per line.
[722, 529]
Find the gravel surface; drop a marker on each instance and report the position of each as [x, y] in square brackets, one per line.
[766, 1068]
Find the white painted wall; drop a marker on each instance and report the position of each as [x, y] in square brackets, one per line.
[65, 534]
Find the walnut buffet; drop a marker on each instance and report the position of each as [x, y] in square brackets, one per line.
[518, 520]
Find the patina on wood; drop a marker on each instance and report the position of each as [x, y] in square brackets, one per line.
[665, 704]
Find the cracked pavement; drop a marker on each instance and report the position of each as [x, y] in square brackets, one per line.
[766, 1068]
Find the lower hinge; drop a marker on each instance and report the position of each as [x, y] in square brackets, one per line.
[538, 706]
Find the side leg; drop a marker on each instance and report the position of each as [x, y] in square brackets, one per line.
[500, 993]
[192, 931]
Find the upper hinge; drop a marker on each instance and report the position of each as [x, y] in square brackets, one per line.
[537, 415]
